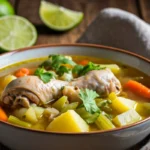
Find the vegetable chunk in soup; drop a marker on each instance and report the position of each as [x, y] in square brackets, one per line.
[74, 94]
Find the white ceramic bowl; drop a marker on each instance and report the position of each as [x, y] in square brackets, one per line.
[118, 139]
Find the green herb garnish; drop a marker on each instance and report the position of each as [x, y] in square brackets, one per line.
[89, 67]
[55, 61]
[46, 64]
[88, 98]
[58, 60]
[62, 70]
[77, 69]
[44, 75]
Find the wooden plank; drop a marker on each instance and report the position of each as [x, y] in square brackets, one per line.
[30, 10]
[145, 9]
[127, 5]
[12, 2]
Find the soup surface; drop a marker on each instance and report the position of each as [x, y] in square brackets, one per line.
[74, 94]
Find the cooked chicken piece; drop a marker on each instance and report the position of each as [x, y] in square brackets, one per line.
[72, 92]
[51, 113]
[101, 81]
[23, 89]
[28, 89]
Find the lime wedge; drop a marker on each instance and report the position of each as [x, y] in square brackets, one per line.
[16, 32]
[6, 8]
[59, 18]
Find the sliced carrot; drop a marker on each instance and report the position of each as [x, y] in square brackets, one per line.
[84, 62]
[22, 72]
[138, 88]
[3, 115]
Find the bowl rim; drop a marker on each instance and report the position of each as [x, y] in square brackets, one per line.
[77, 45]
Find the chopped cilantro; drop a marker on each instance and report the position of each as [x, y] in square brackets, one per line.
[44, 75]
[89, 67]
[77, 69]
[46, 64]
[62, 70]
[88, 98]
[58, 60]
[55, 61]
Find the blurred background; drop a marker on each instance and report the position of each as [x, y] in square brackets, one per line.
[30, 10]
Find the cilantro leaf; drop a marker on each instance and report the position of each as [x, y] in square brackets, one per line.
[46, 64]
[44, 76]
[87, 96]
[55, 61]
[77, 69]
[62, 70]
[38, 71]
[58, 60]
[89, 67]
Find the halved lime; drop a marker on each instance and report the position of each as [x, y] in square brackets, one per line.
[16, 32]
[6, 8]
[59, 18]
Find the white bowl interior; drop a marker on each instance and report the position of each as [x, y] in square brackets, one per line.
[125, 58]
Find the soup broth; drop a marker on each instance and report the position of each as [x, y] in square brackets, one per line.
[73, 94]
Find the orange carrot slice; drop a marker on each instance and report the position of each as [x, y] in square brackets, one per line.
[3, 115]
[138, 88]
[22, 72]
[84, 62]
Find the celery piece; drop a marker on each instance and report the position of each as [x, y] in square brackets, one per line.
[143, 109]
[128, 117]
[104, 104]
[72, 106]
[101, 102]
[16, 121]
[113, 67]
[104, 123]
[88, 117]
[50, 113]
[60, 103]
[19, 113]
[41, 124]
[38, 111]
[146, 105]
[30, 115]
[38, 126]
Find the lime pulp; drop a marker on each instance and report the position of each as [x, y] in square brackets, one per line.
[16, 32]
[59, 18]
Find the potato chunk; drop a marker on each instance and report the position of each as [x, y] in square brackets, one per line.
[121, 104]
[6, 80]
[128, 117]
[30, 115]
[69, 121]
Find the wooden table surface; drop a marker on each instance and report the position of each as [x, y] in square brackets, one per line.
[30, 10]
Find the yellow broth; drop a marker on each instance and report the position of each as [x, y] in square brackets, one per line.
[125, 74]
